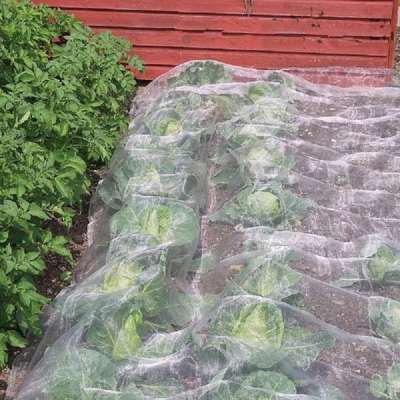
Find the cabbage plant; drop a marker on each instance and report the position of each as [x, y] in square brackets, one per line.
[264, 385]
[267, 277]
[265, 206]
[385, 317]
[163, 221]
[201, 73]
[387, 387]
[384, 266]
[255, 332]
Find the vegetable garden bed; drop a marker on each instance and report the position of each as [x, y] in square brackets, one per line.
[245, 246]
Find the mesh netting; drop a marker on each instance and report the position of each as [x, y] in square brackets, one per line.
[245, 246]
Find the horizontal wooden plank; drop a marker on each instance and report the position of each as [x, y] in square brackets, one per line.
[238, 24]
[290, 44]
[261, 60]
[300, 8]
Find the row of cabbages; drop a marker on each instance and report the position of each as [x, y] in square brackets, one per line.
[217, 239]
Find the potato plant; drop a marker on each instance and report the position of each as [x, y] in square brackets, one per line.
[63, 98]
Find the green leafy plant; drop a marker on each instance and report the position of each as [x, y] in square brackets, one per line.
[264, 385]
[301, 346]
[76, 376]
[385, 317]
[256, 333]
[201, 73]
[174, 119]
[260, 90]
[162, 221]
[150, 293]
[384, 266]
[121, 276]
[272, 278]
[269, 385]
[264, 163]
[169, 125]
[63, 98]
[77, 371]
[118, 335]
[152, 175]
[249, 331]
[244, 134]
[253, 207]
[387, 387]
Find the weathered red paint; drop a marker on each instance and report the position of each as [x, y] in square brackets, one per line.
[393, 37]
[238, 24]
[378, 9]
[271, 34]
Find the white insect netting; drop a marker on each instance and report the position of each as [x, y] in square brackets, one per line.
[245, 246]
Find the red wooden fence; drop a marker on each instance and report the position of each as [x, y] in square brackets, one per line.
[252, 33]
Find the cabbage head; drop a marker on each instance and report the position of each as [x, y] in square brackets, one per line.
[250, 207]
[161, 221]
